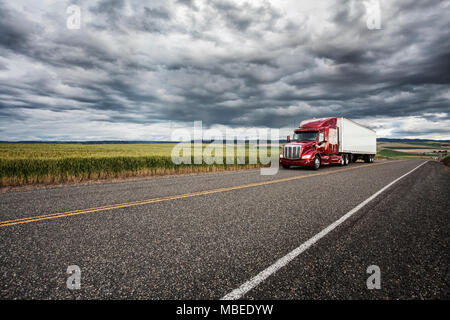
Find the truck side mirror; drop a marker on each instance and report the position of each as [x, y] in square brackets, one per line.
[288, 139]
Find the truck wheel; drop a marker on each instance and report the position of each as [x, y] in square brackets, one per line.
[343, 160]
[367, 159]
[346, 160]
[285, 166]
[316, 165]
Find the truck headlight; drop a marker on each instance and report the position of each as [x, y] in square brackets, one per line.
[306, 156]
[281, 156]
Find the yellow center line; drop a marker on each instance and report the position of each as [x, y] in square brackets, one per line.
[13, 222]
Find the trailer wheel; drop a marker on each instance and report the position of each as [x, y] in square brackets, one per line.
[316, 165]
[349, 159]
[285, 166]
[367, 158]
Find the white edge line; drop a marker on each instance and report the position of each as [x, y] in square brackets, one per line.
[280, 263]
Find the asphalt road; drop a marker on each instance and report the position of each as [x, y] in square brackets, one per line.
[205, 245]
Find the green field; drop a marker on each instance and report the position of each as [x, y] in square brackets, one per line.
[408, 148]
[411, 150]
[25, 164]
[388, 153]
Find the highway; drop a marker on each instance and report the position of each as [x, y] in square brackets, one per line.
[234, 235]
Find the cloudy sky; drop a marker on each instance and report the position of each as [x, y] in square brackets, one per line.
[135, 70]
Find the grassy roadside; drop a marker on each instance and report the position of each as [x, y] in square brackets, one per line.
[446, 160]
[75, 170]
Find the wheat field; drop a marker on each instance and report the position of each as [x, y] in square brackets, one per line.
[46, 164]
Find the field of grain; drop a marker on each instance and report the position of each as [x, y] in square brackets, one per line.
[36, 164]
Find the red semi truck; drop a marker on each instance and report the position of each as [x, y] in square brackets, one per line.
[318, 142]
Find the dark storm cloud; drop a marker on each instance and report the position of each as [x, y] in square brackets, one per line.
[243, 16]
[188, 3]
[144, 17]
[233, 63]
[16, 31]
[12, 37]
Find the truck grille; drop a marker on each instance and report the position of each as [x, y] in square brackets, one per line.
[292, 152]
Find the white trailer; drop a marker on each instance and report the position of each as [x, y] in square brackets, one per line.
[356, 140]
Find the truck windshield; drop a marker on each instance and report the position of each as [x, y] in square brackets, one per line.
[305, 136]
